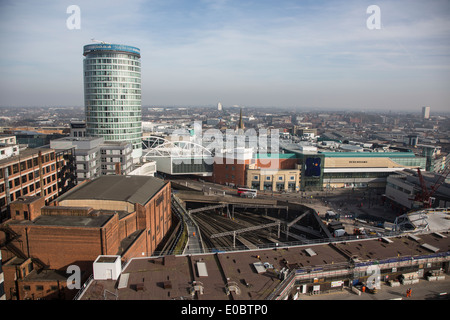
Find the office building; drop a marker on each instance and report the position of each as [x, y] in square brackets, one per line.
[112, 91]
[425, 112]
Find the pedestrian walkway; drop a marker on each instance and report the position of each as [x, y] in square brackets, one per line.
[194, 243]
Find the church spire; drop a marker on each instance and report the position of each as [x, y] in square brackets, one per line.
[241, 121]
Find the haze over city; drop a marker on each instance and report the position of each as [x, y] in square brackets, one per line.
[303, 54]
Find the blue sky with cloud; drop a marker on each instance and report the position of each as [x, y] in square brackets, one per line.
[295, 53]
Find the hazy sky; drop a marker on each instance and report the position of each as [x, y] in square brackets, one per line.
[250, 53]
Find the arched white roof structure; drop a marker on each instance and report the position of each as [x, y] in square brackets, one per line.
[154, 146]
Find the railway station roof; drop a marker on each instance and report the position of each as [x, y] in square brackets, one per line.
[176, 277]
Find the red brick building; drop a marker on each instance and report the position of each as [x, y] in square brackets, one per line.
[229, 168]
[111, 215]
[278, 172]
[35, 172]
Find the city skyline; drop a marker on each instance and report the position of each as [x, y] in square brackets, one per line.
[253, 53]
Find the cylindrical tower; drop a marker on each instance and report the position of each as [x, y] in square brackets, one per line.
[112, 93]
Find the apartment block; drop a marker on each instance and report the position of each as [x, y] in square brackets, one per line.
[96, 157]
[31, 173]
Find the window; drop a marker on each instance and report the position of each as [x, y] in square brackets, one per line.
[39, 288]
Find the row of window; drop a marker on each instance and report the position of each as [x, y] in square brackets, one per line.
[112, 103]
[110, 55]
[115, 126]
[136, 108]
[32, 188]
[278, 186]
[269, 178]
[135, 139]
[26, 164]
[126, 91]
[113, 79]
[113, 96]
[118, 131]
[98, 120]
[115, 152]
[40, 288]
[107, 119]
[350, 175]
[123, 114]
[24, 179]
[111, 67]
[112, 85]
[112, 73]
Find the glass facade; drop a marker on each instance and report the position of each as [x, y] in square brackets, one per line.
[112, 92]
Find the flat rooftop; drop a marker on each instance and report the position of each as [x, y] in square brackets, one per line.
[254, 272]
[67, 221]
[25, 154]
[133, 189]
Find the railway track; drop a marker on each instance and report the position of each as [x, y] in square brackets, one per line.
[212, 223]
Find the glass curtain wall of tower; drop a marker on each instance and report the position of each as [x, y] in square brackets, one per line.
[112, 93]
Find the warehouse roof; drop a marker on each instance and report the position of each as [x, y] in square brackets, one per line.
[133, 189]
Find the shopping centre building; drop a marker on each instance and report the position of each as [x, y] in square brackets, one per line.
[303, 170]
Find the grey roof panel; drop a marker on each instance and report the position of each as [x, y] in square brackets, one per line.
[134, 189]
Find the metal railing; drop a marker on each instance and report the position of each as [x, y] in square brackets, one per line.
[83, 287]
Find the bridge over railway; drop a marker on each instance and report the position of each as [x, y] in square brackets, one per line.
[195, 196]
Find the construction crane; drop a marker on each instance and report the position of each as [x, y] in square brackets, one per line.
[424, 197]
